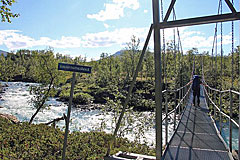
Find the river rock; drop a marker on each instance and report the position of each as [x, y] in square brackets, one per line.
[1, 106]
[235, 154]
[9, 117]
[5, 85]
[1, 89]
[88, 107]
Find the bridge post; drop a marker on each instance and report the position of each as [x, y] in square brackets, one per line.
[230, 121]
[220, 116]
[179, 97]
[158, 79]
[175, 112]
[206, 93]
[166, 120]
[184, 92]
[215, 101]
[208, 96]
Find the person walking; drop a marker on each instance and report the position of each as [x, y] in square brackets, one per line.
[196, 89]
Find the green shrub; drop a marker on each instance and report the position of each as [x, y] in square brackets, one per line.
[82, 98]
[23, 141]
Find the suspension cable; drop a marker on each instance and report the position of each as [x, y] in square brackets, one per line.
[215, 41]
[174, 44]
[232, 47]
[221, 27]
[164, 62]
[178, 50]
[179, 46]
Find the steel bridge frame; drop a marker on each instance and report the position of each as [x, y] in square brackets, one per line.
[157, 25]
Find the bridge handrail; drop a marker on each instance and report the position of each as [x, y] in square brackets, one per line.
[231, 120]
[220, 109]
[175, 108]
[235, 92]
[217, 90]
[175, 90]
[182, 94]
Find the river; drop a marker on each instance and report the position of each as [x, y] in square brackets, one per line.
[16, 101]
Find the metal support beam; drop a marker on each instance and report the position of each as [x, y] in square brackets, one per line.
[200, 20]
[158, 79]
[169, 10]
[230, 6]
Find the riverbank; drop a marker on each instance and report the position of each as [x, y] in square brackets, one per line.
[9, 117]
[38, 140]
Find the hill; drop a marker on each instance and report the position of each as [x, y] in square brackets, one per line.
[4, 53]
[118, 53]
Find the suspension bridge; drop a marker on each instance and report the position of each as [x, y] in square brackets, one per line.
[198, 131]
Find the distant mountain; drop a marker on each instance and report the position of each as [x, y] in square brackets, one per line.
[118, 53]
[4, 53]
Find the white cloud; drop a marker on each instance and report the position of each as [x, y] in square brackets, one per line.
[116, 37]
[194, 39]
[106, 25]
[145, 11]
[201, 41]
[114, 10]
[13, 39]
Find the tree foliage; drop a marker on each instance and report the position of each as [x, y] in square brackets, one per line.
[6, 12]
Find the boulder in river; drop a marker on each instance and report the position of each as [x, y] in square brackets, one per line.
[1, 89]
[9, 117]
[5, 85]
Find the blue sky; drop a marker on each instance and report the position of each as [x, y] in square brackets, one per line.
[88, 28]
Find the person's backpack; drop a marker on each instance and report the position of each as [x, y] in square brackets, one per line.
[196, 83]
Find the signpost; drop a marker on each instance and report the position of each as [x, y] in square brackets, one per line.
[74, 68]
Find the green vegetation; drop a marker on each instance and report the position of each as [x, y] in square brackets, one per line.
[45, 142]
[111, 75]
[5, 10]
[107, 84]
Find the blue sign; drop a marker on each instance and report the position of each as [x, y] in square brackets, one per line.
[74, 68]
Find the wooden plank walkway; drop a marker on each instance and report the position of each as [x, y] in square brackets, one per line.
[196, 137]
